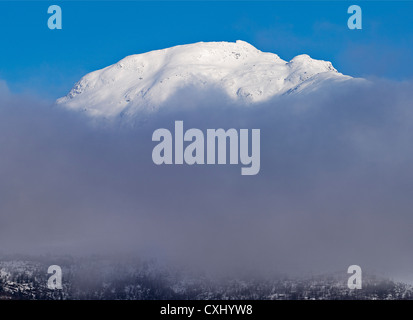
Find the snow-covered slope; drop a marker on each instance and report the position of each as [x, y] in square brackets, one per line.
[144, 82]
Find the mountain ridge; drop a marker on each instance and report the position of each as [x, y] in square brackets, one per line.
[144, 82]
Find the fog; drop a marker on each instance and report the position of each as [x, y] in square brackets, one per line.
[334, 189]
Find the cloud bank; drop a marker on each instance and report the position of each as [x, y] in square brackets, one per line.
[334, 187]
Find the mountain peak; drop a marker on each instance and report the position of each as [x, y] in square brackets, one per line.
[144, 82]
[305, 61]
[244, 44]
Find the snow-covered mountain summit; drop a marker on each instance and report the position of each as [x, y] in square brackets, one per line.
[144, 82]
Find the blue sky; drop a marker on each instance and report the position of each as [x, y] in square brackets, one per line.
[98, 33]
